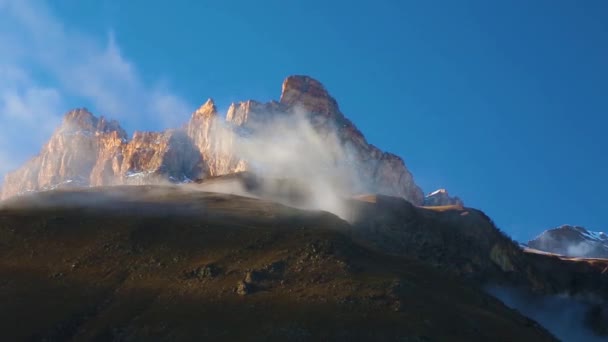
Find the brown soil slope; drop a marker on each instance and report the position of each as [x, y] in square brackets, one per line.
[159, 263]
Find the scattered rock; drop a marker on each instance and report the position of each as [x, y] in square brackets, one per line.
[253, 277]
[204, 272]
[208, 271]
[242, 288]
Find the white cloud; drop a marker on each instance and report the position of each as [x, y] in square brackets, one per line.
[34, 42]
[6, 162]
[581, 249]
[28, 114]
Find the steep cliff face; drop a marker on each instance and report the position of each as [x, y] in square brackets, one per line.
[386, 172]
[383, 172]
[150, 156]
[215, 141]
[90, 151]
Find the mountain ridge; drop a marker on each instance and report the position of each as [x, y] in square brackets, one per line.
[572, 241]
[87, 150]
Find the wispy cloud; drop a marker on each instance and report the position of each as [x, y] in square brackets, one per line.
[28, 113]
[45, 62]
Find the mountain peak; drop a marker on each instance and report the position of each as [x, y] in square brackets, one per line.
[82, 120]
[207, 109]
[302, 84]
[308, 92]
[441, 197]
[574, 241]
[438, 191]
[80, 117]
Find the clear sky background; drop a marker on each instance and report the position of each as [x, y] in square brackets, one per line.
[504, 103]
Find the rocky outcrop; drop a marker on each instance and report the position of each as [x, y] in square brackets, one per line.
[70, 155]
[90, 151]
[215, 141]
[440, 198]
[572, 241]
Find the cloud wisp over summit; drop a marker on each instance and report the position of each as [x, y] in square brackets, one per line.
[46, 68]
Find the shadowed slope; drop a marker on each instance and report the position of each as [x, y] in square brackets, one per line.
[166, 263]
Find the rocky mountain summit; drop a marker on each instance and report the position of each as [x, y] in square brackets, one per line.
[572, 241]
[440, 198]
[92, 151]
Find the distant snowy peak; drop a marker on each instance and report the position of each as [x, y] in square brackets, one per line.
[441, 197]
[573, 241]
[438, 192]
[587, 234]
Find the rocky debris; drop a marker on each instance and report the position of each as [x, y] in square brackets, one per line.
[315, 252]
[243, 288]
[253, 276]
[572, 241]
[395, 293]
[208, 271]
[91, 151]
[324, 258]
[263, 278]
[440, 198]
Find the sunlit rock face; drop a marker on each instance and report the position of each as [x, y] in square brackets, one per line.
[385, 173]
[149, 156]
[90, 151]
[214, 141]
[70, 155]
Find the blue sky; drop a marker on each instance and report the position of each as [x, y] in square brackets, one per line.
[501, 102]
